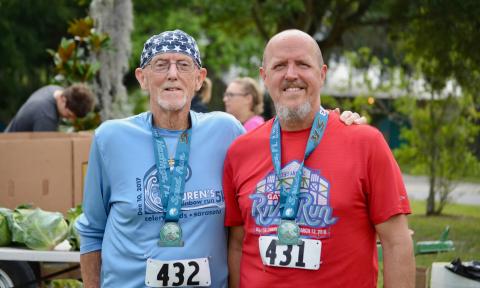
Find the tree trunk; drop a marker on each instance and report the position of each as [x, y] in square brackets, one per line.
[432, 173]
[114, 17]
[431, 193]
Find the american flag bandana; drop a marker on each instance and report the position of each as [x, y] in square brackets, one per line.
[170, 42]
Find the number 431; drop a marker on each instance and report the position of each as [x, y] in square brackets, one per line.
[273, 248]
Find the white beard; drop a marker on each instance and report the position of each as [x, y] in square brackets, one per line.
[176, 105]
[296, 114]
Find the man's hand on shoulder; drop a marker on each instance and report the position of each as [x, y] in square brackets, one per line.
[349, 117]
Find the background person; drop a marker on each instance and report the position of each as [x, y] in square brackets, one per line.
[202, 97]
[243, 99]
[46, 106]
[333, 186]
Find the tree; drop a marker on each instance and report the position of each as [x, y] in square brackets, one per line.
[114, 18]
[440, 42]
[438, 143]
[72, 59]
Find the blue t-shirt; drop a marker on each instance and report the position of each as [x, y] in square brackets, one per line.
[122, 212]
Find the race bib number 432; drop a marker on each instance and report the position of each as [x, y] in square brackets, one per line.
[303, 256]
[178, 273]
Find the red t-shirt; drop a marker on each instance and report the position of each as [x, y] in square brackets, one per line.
[350, 183]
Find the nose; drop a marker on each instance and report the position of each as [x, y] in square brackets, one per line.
[172, 72]
[291, 73]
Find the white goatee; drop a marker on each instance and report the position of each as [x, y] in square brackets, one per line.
[295, 114]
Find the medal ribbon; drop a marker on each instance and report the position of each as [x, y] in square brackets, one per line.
[289, 199]
[171, 183]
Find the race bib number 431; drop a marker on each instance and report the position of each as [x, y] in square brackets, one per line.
[178, 273]
[304, 256]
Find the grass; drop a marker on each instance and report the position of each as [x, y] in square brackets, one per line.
[464, 222]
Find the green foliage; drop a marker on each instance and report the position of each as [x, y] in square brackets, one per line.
[65, 283]
[441, 39]
[439, 142]
[139, 101]
[72, 58]
[73, 237]
[372, 79]
[89, 122]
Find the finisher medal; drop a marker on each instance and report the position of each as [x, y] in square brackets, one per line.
[170, 235]
[171, 179]
[288, 230]
[288, 233]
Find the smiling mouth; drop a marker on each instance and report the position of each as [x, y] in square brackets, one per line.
[293, 89]
[172, 89]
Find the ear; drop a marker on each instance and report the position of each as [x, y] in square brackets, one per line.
[323, 74]
[250, 100]
[63, 99]
[202, 74]
[141, 78]
[262, 74]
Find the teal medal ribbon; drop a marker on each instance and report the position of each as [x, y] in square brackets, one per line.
[171, 184]
[288, 230]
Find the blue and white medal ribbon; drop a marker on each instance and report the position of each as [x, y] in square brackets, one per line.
[288, 230]
[171, 184]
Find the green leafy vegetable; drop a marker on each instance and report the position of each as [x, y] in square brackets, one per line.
[5, 234]
[38, 229]
[73, 237]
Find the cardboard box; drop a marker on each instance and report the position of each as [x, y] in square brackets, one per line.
[45, 169]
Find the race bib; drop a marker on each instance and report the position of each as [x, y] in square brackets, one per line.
[304, 256]
[178, 273]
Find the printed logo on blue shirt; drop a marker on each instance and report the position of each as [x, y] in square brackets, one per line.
[314, 216]
[192, 200]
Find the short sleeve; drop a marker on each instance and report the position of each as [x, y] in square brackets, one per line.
[233, 215]
[386, 191]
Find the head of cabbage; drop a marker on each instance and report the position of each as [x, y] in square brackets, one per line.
[38, 229]
[5, 235]
[72, 217]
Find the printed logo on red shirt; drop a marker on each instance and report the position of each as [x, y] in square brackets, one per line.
[314, 216]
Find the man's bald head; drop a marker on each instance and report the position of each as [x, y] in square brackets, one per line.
[292, 33]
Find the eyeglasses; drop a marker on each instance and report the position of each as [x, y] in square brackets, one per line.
[161, 66]
[231, 95]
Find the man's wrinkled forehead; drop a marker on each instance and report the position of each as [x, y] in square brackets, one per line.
[171, 56]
